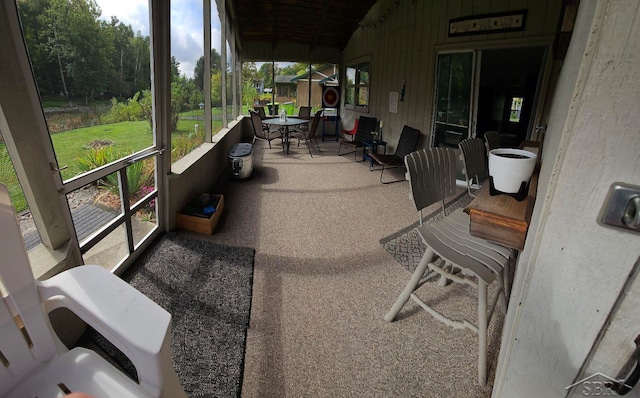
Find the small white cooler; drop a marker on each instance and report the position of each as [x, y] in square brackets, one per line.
[241, 159]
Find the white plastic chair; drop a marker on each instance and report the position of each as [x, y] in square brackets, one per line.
[432, 179]
[35, 363]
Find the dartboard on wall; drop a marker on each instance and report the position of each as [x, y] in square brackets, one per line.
[330, 96]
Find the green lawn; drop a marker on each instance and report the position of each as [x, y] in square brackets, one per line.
[8, 177]
[124, 137]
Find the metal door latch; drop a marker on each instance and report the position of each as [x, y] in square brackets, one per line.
[622, 207]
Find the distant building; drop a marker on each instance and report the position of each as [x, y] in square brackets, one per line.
[285, 88]
[326, 75]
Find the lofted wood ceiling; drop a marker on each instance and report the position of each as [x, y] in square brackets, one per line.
[317, 23]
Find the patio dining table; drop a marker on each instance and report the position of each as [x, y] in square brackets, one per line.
[285, 124]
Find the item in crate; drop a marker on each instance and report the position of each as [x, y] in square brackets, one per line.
[202, 214]
[204, 206]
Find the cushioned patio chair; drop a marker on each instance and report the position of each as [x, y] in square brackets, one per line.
[35, 363]
[365, 126]
[452, 253]
[406, 144]
[261, 135]
[474, 160]
[310, 134]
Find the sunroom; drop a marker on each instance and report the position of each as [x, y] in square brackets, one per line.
[562, 72]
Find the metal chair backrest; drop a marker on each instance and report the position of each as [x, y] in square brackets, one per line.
[432, 175]
[258, 131]
[407, 142]
[365, 126]
[260, 110]
[304, 112]
[314, 125]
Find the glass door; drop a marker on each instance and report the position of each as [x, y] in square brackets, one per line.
[454, 88]
[93, 73]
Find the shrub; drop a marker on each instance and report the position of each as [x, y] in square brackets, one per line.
[123, 111]
[97, 157]
[183, 144]
[138, 173]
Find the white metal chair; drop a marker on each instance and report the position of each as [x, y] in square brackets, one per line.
[475, 161]
[432, 179]
[35, 363]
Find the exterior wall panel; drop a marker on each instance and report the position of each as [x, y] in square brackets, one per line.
[403, 46]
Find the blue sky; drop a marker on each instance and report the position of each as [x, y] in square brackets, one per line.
[187, 41]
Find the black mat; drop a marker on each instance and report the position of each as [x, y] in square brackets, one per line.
[207, 289]
[406, 245]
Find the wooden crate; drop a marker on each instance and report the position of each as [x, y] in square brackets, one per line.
[200, 224]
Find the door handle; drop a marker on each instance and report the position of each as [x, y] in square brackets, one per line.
[631, 215]
[623, 386]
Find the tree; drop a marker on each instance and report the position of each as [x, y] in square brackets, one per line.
[45, 67]
[65, 36]
[216, 88]
[249, 92]
[265, 73]
[141, 74]
[81, 48]
[179, 96]
[122, 59]
[198, 70]
[297, 69]
[175, 69]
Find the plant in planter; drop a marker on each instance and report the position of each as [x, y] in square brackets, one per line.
[510, 171]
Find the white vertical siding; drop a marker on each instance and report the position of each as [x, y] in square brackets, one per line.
[404, 47]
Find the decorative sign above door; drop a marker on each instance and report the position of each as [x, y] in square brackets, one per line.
[511, 21]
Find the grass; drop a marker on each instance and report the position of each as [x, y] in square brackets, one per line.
[72, 145]
[125, 137]
[9, 178]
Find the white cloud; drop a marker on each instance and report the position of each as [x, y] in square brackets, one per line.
[129, 12]
[187, 41]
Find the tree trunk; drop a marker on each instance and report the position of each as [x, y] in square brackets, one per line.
[135, 74]
[64, 84]
[121, 74]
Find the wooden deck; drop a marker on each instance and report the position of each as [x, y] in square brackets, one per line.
[86, 219]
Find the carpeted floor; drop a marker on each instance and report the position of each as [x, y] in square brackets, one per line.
[207, 289]
[323, 283]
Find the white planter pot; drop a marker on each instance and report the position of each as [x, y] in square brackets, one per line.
[510, 167]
